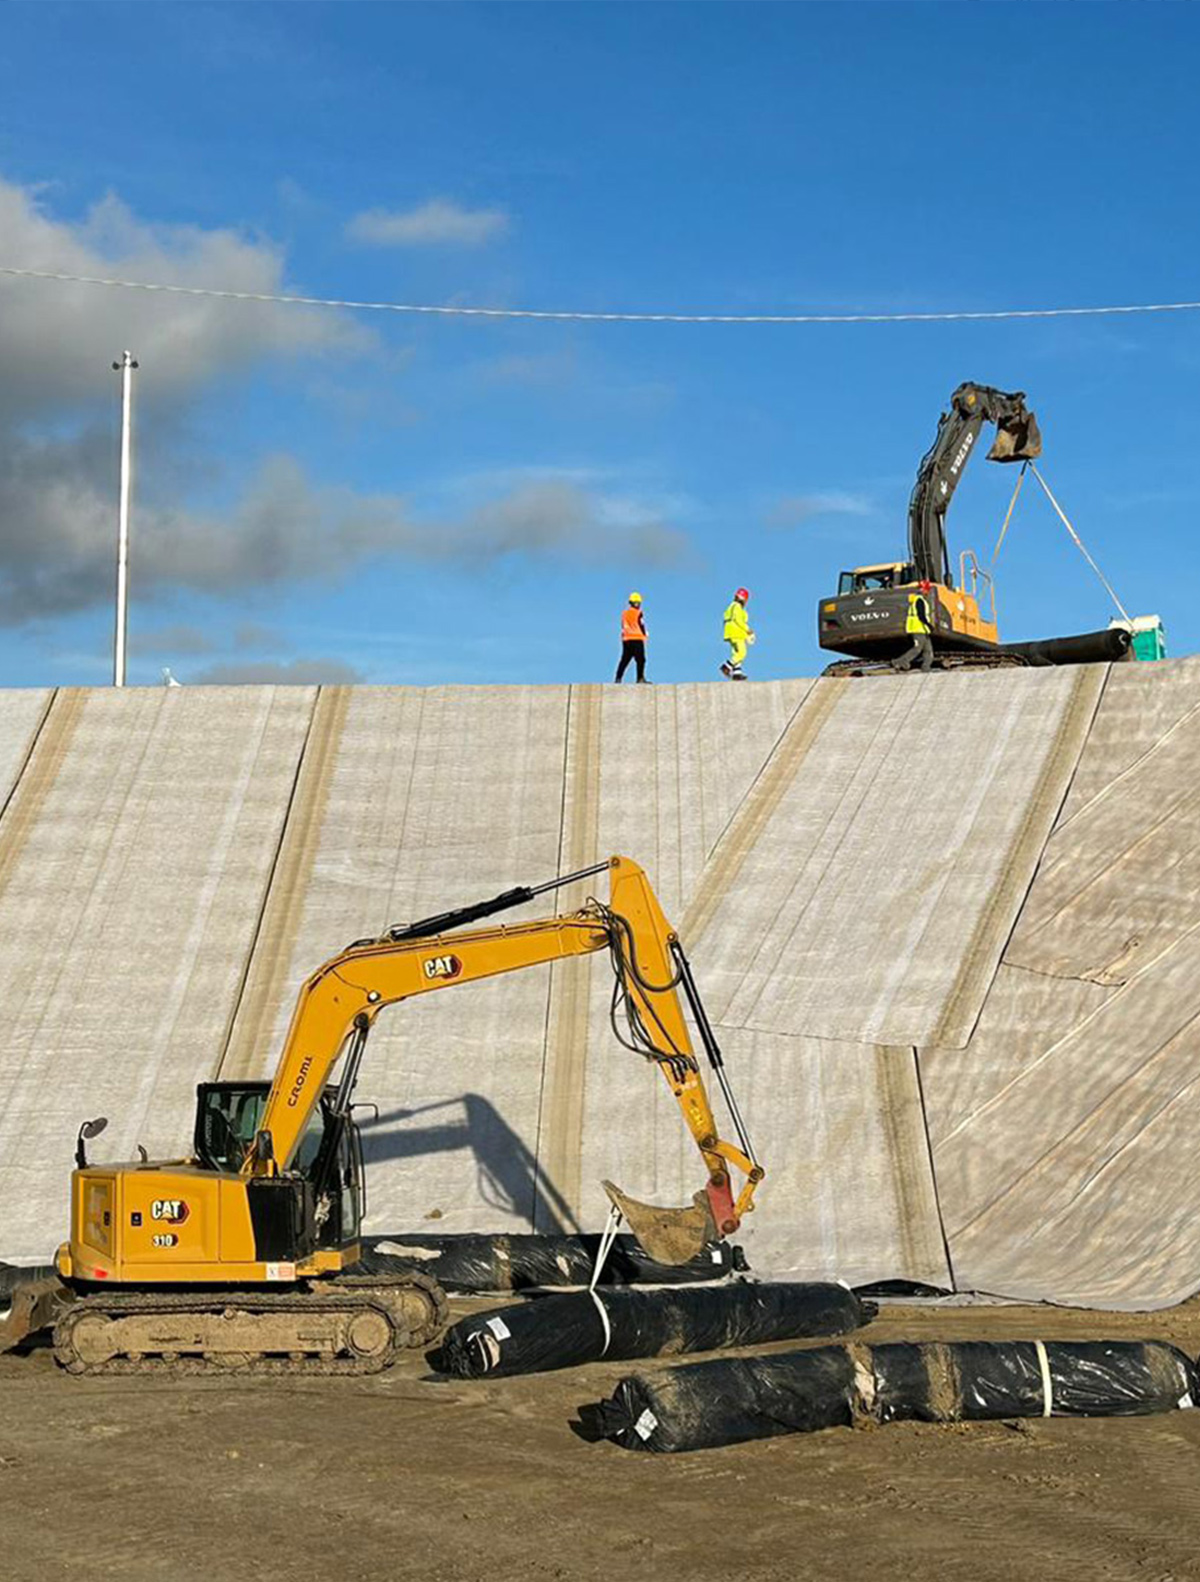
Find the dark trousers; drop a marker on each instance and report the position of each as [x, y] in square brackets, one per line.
[633, 648]
[921, 649]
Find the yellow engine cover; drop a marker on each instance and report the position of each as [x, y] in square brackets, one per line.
[166, 1223]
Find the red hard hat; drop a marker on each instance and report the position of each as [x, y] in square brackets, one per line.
[743, 594]
[926, 585]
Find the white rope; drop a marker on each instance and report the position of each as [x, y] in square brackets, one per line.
[606, 1241]
[1047, 1386]
[1011, 507]
[580, 316]
[1062, 515]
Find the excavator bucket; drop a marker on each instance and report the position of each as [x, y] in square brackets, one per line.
[1017, 439]
[668, 1235]
[35, 1305]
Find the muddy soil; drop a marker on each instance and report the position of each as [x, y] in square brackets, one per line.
[402, 1476]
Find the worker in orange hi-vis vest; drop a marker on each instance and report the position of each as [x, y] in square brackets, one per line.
[633, 638]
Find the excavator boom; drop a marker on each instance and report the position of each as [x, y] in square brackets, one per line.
[247, 1255]
[1018, 438]
[867, 618]
[348, 992]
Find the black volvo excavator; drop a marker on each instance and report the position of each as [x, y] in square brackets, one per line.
[867, 618]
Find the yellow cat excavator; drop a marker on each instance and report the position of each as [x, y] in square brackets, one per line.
[244, 1255]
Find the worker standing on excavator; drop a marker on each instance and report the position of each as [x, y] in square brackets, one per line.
[633, 638]
[737, 634]
[918, 624]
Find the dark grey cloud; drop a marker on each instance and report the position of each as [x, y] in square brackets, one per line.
[172, 641]
[259, 639]
[58, 460]
[57, 530]
[291, 672]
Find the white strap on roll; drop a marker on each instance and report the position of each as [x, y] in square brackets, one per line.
[1047, 1386]
[607, 1238]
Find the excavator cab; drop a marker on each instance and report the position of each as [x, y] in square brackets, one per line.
[328, 1161]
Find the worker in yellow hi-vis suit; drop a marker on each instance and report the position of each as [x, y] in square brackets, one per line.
[737, 634]
[918, 624]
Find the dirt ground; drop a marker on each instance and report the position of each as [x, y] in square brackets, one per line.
[403, 1476]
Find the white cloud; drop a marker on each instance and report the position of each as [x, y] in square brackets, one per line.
[58, 340]
[793, 510]
[57, 445]
[439, 223]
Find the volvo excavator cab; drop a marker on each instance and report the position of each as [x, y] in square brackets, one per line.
[867, 619]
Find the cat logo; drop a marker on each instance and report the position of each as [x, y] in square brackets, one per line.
[436, 967]
[172, 1209]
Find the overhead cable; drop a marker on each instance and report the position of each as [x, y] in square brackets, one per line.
[458, 310]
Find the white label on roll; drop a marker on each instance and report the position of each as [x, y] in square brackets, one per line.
[646, 1424]
[499, 1328]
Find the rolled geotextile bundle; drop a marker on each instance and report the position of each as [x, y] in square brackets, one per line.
[978, 1379]
[562, 1331]
[1084, 648]
[734, 1399]
[469, 1264]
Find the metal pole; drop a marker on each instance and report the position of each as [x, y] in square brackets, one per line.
[125, 368]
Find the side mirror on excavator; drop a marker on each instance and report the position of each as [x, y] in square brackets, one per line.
[87, 1131]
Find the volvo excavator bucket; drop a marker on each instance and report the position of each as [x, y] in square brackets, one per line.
[668, 1235]
[1017, 439]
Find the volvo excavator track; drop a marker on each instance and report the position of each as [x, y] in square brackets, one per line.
[341, 1327]
[942, 661]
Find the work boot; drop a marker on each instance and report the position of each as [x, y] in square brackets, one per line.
[726, 670]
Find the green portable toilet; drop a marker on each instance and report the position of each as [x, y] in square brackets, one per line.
[1149, 638]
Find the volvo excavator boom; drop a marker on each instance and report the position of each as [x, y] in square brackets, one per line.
[1017, 439]
[867, 618]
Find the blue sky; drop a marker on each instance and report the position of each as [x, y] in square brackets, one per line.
[338, 495]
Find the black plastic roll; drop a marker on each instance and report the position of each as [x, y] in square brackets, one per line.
[727, 1401]
[975, 1380]
[1084, 648]
[615, 1325]
[733, 1399]
[485, 1264]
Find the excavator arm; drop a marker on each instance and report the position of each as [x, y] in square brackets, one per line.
[971, 406]
[340, 1001]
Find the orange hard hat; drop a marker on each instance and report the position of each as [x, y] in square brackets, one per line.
[743, 594]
